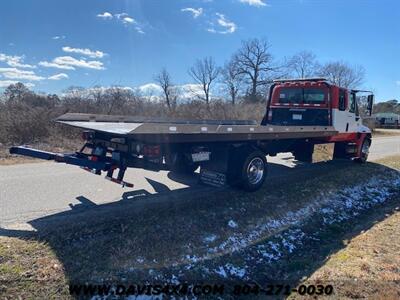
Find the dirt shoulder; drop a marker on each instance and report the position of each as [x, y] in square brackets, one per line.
[284, 232]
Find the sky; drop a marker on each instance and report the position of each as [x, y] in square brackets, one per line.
[52, 45]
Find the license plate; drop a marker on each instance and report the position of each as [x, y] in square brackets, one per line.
[297, 117]
[201, 156]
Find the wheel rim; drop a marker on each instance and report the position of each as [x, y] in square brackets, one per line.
[255, 170]
[365, 149]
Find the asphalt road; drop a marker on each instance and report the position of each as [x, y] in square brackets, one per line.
[29, 191]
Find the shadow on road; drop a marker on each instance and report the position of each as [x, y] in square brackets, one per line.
[96, 230]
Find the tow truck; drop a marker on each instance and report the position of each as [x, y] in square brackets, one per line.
[300, 113]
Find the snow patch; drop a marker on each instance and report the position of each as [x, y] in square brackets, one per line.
[211, 238]
[192, 258]
[221, 271]
[140, 260]
[335, 207]
[235, 271]
[352, 200]
[232, 224]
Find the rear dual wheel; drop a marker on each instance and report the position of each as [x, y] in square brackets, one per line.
[249, 170]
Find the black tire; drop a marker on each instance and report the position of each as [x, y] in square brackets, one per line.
[179, 164]
[249, 170]
[364, 151]
[304, 153]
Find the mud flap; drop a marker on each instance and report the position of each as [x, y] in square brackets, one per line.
[213, 172]
[213, 178]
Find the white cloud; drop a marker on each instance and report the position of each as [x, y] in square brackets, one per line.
[29, 84]
[58, 76]
[191, 91]
[149, 88]
[398, 82]
[195, 12]
[226, 25]
[123, 18]
[121, 15]
[14, 73]
[6, 83]
[69, 63]
[54, 65]
[153, 92]
[105, 15]
[86, 51]
[87, 92]
[139, 30]
[58, 37]
[15, 61]
[256, 3]
[129, 20]
[68, 60]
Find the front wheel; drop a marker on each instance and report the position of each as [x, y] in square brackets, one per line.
[364, 151]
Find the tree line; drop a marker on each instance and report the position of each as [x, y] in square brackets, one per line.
[244, 79]
[248, 74]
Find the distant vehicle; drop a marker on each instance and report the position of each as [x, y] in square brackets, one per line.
[300, 114]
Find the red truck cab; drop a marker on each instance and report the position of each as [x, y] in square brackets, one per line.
[316, 102]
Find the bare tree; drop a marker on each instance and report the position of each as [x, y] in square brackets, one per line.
[204, 72]
[16, 92]
[342, 74]
[254, 61]
[164, 80]
[232, 80]
[303, 64]
[117, 99]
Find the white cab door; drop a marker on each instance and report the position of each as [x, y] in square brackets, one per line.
[354, 119]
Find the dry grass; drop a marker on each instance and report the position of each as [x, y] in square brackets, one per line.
[323, 152]
[55, 144]
[369, 264]
[29, 269]
[386, 132]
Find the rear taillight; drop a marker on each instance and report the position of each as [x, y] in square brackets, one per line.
[87, 135]
[152, 150]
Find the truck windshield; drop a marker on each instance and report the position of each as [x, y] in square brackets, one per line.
[301, 95]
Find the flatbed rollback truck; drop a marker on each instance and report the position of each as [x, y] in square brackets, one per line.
[300, 113]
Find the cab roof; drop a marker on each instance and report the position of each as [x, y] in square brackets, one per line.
[314, 79]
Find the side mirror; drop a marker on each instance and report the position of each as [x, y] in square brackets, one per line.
[370, 100]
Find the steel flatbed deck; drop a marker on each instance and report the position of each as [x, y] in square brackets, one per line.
[182, 131]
